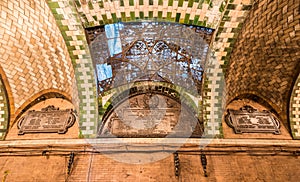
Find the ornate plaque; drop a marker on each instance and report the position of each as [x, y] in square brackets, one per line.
[151, 115]
[48, 120]
[249, 120]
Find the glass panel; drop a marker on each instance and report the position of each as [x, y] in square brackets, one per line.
[104, 71]
[129, 52]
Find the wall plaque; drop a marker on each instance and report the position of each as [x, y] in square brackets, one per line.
[48, 120]
[249, 120]
[150, 115]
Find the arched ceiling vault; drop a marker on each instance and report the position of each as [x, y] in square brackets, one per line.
[263, 51]
[34, 56]
[73, 16]
[265, 59]
[226, 16]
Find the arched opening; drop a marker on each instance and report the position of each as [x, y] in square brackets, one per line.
[40, 97]
[143, 53]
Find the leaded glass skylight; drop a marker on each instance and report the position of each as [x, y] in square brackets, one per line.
[154, 51]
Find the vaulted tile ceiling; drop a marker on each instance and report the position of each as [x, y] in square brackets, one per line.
[256, 42]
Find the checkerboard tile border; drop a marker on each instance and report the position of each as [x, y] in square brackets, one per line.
[4, 111]
[233, 17]
[195, 12]
[71, 29]
[234, 13]
[294, 110]
[214, 97]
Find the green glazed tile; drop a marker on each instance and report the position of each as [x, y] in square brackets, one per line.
[132, 15]
[53, 5]
[131, 2]
[180, 3]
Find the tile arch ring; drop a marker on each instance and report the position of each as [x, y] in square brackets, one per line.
[6, 104]
[71, 28]
[294, 109]
[39, 97]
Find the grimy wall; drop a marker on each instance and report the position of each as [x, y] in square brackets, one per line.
[96, 167]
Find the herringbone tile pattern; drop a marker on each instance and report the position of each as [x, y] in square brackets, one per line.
[265, 59]
[33, 52]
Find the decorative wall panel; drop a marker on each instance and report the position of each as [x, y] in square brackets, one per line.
[250, 120]
[49, 120]
[151, 115]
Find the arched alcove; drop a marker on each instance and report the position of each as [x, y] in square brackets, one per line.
[250, 116]
[47, 115]
[150, 112]
[40, 97]
[135, 55]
